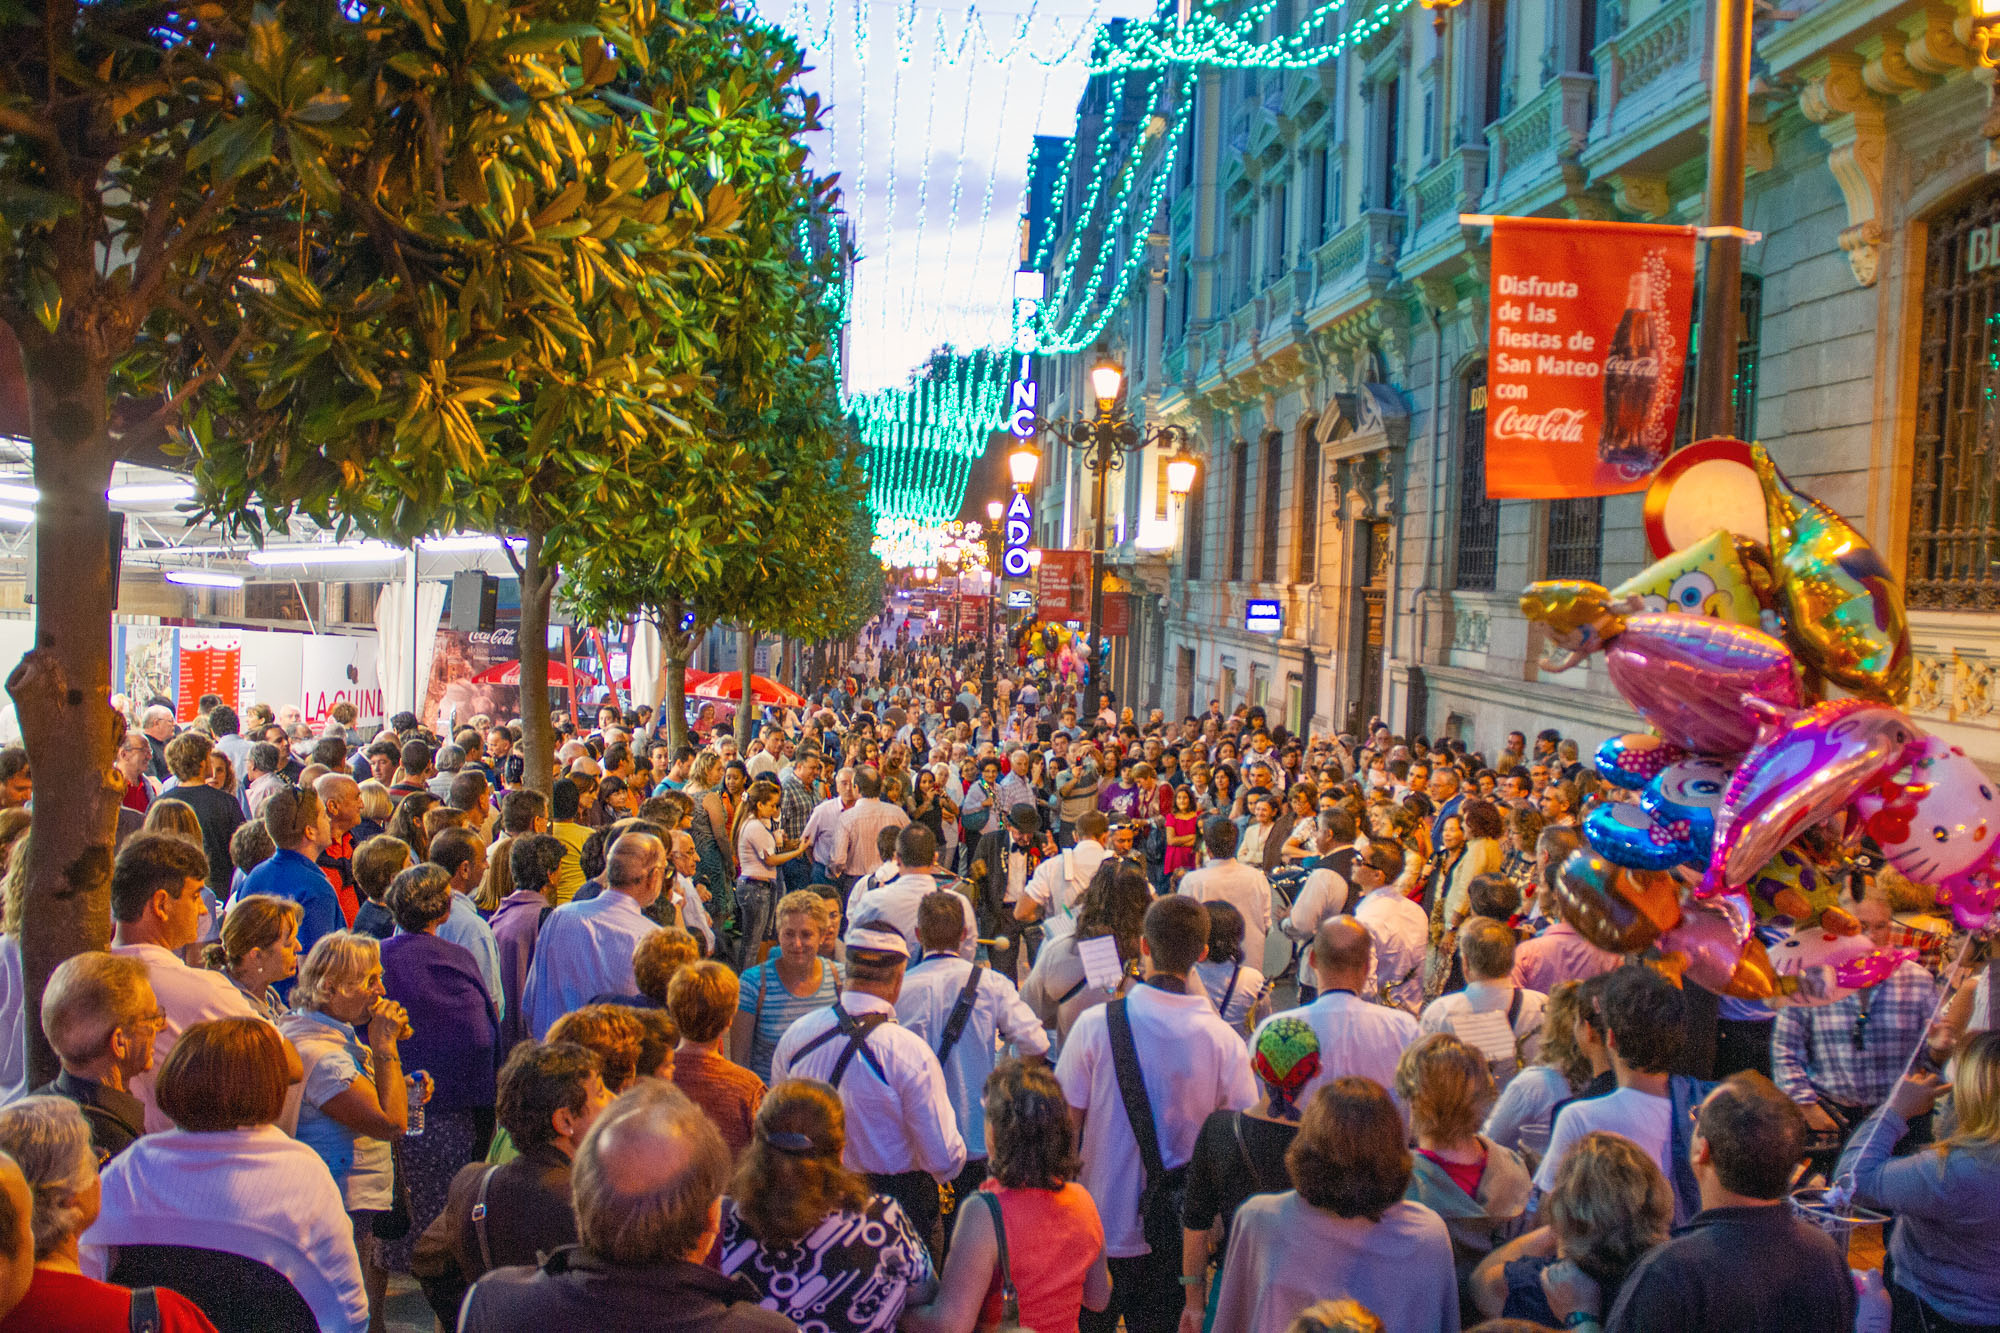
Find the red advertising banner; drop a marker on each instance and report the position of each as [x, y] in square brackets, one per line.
[1064, 592]
[972, 612]
[211, 663]
[1587, 338]
[1117, 614]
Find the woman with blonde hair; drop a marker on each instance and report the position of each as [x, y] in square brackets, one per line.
[807, 1233]
[376, 811]
[13, 984]
[1479, 1188]
[1520, 1120]
[1944, 1251]
[1609, 1205]
[710, 811]
[168, 815]
[356, 1100]
[259, 947]
[790, 983]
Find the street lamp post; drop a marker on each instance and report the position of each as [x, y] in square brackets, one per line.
[994, 511]
[1106, 439]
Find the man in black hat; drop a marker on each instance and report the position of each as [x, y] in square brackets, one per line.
[1002, 862]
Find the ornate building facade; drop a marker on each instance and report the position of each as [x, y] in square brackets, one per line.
[1314, 311]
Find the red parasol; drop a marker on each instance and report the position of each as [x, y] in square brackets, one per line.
[509, 673]
[728, 686]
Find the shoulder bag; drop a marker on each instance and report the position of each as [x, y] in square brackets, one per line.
[1010, 1299]
[1162, 1192]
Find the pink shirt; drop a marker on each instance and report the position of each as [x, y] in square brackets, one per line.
[1053, 1240]
[1557, 955]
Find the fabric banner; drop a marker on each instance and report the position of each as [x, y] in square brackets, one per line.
[1587, 338]
[1117, 614]
[211, 662]
[1064, 586]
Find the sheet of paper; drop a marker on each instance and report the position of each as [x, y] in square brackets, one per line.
[1101, 967]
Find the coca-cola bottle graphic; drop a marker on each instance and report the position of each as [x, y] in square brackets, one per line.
[1631, 377]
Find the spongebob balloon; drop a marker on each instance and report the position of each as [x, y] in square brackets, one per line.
[1719, 576]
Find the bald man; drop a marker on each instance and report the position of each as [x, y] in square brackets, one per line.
[647, 1184]
[1356, 1038]
[340, 796]
[585, 948]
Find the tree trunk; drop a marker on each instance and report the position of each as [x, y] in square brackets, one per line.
[748, 650]
[62, 689]
[538, 583]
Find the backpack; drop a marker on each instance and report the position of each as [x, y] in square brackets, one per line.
[1492, 1035]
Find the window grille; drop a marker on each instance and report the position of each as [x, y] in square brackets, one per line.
[1239, 503]
[1478, 517]
[1954, 494]
[1576, 538]
[1307, 570]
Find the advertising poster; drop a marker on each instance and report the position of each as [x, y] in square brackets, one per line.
[1117, 613]
[338, 669]
[211, 662]
[1064, 589]
[146, 659]
[466, 672]
[1587, 338]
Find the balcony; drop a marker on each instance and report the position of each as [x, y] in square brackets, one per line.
[1528, 145]
[1280, 305]
[1651, 83]
[1365, 250]
[1452, 187]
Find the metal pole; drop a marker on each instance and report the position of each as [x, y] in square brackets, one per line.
[993, 555]
[1722, 274]
[1092, 691]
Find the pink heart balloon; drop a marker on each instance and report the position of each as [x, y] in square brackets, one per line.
[1690, 675]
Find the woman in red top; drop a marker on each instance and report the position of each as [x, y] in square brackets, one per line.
[50, 1139]
[1183, 831]
[1055, 1241]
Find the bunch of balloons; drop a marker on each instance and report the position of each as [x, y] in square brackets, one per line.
[1769, 663]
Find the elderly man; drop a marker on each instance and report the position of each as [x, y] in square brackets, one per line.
[100, 1014]
[647, 1184]
[823, 826]
[340, 796]
[1015, 787]
[158, 724]
[585, 948]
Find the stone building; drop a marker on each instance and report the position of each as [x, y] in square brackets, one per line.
[1309, 304]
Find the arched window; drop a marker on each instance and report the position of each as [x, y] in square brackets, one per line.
[1239, 505]
[1307, 569]
[1273, 469]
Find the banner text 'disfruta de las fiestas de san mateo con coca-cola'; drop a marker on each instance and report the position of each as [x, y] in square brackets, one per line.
[1587, 336]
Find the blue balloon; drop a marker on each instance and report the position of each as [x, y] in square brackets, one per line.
[1686, 796]
[1626, 835]
[1632, 760]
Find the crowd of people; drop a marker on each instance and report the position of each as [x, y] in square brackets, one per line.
[936, 1006]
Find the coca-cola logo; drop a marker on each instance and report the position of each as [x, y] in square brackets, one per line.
[1631, 365]
[1558, 425]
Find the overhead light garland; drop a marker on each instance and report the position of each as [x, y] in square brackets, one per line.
[921, 440]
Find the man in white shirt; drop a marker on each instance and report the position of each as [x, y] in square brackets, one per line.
[854, 845]
[960, 1008]
[901, 1130]
[157, 910]
[1053, 892]
[1328, 891]
[685, 894]
[1241, 885]
[896, 903]
[823, 826]
[1357, 1038]
[1400, 929]
[1189, 1064]
[585, 948]
[1492, 1015]
[768, 757]
[1644, 1015]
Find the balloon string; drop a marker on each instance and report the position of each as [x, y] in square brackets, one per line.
[1844, 1185]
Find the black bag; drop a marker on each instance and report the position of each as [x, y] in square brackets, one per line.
[1161, 1196]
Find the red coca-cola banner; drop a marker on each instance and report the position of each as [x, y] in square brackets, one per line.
[1586, 341]
[1063, 591]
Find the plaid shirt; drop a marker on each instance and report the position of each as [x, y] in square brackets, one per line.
[795, 805]
[1853, 1050]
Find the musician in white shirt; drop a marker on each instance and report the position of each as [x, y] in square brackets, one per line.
[1056, 888]
[902, 1132]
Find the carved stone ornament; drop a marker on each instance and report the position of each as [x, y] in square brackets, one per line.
[1850, 119]
[1644, 195]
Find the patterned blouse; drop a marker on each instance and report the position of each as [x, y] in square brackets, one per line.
[852, 1273]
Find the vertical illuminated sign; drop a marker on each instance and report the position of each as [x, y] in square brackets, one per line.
[1020, 521]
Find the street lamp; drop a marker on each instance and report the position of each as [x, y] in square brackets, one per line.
[1023, 462]
[1105, 441]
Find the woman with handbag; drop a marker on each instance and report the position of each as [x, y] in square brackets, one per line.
[1032, 1258]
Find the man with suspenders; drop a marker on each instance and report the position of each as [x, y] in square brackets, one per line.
[959, 1007]
[901, 1130]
